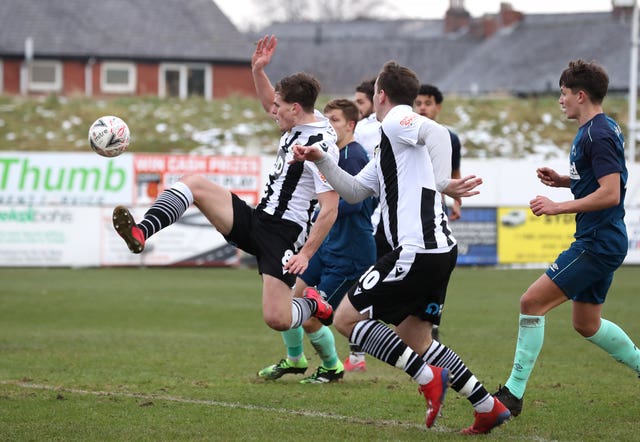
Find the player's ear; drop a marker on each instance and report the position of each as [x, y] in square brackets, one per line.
[582, 96]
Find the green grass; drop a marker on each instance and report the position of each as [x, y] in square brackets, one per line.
[171, 354]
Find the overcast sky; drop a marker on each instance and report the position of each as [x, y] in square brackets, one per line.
[243, 13]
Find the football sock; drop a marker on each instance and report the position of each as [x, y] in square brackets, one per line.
[293, 341]
[530, 339]
[325, 345]
[301, 310]
[384, 344]
[356, 354]
[462, 380]
[617, 343]
[166, 209]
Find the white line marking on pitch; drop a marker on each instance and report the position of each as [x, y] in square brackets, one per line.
[249, 407]
[234, 405]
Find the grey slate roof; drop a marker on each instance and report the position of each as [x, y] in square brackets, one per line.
[342, 54]
[188, 30]
[530, 57]
[525, 58]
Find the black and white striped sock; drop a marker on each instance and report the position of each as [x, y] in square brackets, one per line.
[383, 343]
[166, 209]
[462, 380]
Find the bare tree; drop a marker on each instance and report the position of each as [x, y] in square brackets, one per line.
[315, 10]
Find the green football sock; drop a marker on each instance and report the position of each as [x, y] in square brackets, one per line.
[325, 344]
[530, 339]
[615, 341]
[293, 340]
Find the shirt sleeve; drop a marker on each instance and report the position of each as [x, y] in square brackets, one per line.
[438, 143]
[604, 158]
[348, 187]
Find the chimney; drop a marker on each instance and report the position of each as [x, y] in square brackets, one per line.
[622, 9]
[508, 15]
[485, 26]
[456, 17]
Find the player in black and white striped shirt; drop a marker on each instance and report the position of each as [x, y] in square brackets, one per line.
[278, 231]
[407, 286]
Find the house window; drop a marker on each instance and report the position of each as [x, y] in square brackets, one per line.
[185, 80]
[118, 78]
[45, 76]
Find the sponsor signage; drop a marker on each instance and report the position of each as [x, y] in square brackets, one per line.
[153, 173]
[82, 179]
[524, 238]
[49, 236]
[475, 232]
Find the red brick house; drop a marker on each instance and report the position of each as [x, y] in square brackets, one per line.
[122, 47]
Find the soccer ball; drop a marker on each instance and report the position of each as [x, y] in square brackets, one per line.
[109, 136]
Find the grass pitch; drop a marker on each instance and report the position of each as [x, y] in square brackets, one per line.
[172, 354]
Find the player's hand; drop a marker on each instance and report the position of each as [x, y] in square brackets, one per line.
[541, 205]
[265, 48]
[297, 264]
[454, 210]
[306, 153]
[549, 177]
[462, 187]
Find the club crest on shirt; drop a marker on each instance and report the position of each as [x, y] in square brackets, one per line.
[408, 120]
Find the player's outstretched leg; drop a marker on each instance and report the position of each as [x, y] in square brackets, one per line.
[166, 210]
[126, 227]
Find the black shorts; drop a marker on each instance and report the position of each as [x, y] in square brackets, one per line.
[403, 283]
[271, 240]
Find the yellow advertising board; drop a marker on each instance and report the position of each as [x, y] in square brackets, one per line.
[526, 238]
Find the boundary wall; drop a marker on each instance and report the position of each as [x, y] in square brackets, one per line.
[55, 210]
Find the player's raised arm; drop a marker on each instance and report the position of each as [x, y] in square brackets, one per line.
[265, 48]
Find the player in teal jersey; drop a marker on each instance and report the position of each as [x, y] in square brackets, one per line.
[583, 273]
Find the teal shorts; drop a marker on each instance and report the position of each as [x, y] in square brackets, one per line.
[582, 275]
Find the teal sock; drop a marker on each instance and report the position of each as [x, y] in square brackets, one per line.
[325, 344]
[293, 340]
[530, 339]
[615, 341]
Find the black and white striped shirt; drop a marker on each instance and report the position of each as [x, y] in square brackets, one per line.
[292, 189]
[403, 176]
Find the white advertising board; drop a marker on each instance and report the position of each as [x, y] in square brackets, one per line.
[53, 236]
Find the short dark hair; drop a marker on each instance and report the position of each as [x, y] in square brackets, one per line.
[431, 91]
[348, 108]
[587, 76]
[366, 87]
[301, 88]
[399, 83]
